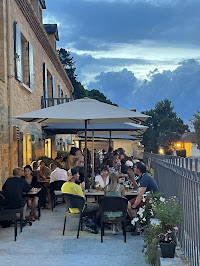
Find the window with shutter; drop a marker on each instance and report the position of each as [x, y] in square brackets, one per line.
[31, 70]
[45, 86]
[53, 87]
[18, 52]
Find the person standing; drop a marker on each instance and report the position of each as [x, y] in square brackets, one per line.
[72, 159]
[80, 164]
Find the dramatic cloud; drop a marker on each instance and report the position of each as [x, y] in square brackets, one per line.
[135, 51]
[181, 86]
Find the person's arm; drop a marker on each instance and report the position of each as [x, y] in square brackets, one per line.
[122, 191]
[135, 184]
[27, 187]
[139, 197]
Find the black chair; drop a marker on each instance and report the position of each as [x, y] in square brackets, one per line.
[55, 186]
[113, 204]
[7, 214]
[74, 201]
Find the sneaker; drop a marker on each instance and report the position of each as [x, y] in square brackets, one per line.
[92, 229]
[115, 230]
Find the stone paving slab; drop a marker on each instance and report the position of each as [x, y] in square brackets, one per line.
[43, 244]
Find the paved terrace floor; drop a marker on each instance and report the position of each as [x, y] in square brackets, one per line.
[43, 244]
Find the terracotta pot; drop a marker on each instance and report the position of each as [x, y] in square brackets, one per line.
[167, 250]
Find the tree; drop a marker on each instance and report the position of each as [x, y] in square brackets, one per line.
[68, 63]
[196, 123]
[165, 128]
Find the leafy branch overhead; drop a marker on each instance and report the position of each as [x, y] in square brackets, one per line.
[165, 127]
[68, 63]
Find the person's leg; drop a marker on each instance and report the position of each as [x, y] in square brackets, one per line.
[24, 211]
[47, 185]
[35, 204]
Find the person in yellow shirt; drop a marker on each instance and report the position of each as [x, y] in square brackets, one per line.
[71, 187]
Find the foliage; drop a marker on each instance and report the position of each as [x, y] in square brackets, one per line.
[169, 213]
[196, 123]
[165, 128]
[152, 200]
[68, 63]
[151, 243]
[62, 154]
[168, 216]
[181, 153]
[47, 160]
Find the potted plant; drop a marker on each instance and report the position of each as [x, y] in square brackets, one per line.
[163, 230]
[169, 214]
[145, 213]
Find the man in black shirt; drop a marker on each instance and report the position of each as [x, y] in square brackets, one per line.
[14, 188]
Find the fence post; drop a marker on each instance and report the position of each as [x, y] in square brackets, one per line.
[186, 163]
[196, 165]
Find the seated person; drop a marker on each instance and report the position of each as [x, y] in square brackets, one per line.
[103, 179]
[116, 162]
[72, 188]
[45, 171]
[132, 178]
[114, 189]
[36, 172]
[146, 183]
[14, 188]
[57, 173]
[32, 181]
[124, 167]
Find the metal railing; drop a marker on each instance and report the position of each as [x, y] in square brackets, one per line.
[47, 102]
[176, 177]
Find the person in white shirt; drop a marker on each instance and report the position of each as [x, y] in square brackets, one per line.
[103, 179]
[57, 173]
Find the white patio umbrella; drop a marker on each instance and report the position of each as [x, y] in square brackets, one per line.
[87, 111]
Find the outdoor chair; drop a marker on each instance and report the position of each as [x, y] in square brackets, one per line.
[7, 214]
[55, 186]
[74, 201]
[113, 204]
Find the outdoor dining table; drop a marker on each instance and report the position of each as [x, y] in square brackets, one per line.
[32, 194]
[97, 194]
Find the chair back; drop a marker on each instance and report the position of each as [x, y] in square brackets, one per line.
[74, 201]
[56, 185]
[2, 200]
[113, 204]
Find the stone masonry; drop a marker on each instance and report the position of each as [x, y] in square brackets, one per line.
[15, 97]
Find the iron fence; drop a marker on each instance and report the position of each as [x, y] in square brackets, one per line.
[180, 177]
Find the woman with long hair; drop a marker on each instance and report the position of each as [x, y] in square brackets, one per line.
[114, 189]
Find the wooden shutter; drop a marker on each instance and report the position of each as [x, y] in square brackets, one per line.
[45, 87]
[18, 52]
[59, 91]
[53, 87]
[31, 73]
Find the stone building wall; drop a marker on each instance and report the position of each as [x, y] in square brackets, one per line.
[15, 98]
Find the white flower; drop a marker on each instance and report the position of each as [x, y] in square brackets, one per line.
[162, 199]
[134, 220]
[143, 199]
[154, 221]
[140, 212]
[151, 212]
[144, 219]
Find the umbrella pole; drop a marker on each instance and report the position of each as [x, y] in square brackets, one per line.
[110, 139]
[92, 157]
[85, 159]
